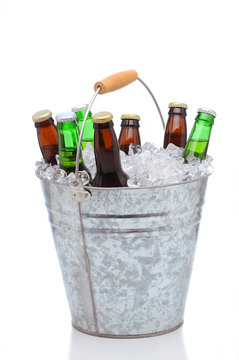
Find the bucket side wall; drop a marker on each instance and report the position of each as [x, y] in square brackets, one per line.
[141, 262]
[140, 244]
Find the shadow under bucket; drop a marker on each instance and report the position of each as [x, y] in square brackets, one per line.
[126, 255]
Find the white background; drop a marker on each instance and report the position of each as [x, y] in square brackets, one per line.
[52, 53]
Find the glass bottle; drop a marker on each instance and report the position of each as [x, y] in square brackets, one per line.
[68, 134]
[129, 132]
[176, 128]
[109, 172]
[197, 144]
[47, 135]
[88, 134]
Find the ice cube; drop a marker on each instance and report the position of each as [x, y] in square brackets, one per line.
[134, 149]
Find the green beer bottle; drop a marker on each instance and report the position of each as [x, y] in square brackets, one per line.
[197, 144]
[88, 134]
[68, 134]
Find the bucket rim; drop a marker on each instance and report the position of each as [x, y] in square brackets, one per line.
[90, 188]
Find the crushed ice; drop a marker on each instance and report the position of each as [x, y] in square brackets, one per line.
[145, 166]
[53, 172]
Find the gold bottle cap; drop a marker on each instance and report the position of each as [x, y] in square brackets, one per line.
[42, 115]
[130, 117]
[102, 117]
[178, 104]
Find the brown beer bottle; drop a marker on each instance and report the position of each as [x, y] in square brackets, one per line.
[47, 135]
[109, 172]
[176, 128]
[129, 132]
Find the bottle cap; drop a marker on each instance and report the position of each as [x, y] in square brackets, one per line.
[66, 116]
[130, 117]
[102, 117]
[178, 104]
[79, 108]
[207, 111]
[41, 115]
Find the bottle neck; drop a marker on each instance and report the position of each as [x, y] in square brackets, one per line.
[205, 119]
[68, 137]
[202, 127]
[177, 111]
[130, 122]
[81, 114]
[106, 148]
[44, 123]
[67, 125]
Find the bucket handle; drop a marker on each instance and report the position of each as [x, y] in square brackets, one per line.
[109, 84]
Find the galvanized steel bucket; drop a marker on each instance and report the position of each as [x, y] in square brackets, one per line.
[126, 254]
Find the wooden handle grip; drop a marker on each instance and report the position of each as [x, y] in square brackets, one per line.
[116, 81]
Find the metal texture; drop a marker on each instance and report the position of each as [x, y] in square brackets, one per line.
[126, 255]
[78, 193]
[128, 336]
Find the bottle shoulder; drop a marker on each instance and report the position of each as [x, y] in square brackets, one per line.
[176, 123]
[48, 133]
[200, 130]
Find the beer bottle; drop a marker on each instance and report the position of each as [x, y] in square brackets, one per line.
[176, 128]
[129, 132]
[109, 172]
[68, 134]
[197, 144]
[47, 135]
[88, 134]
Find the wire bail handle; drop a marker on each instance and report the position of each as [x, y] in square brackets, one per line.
[109, 84]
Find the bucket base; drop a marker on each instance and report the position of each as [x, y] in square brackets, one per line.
[127, 336]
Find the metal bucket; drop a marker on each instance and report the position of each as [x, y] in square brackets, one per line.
[126, 255]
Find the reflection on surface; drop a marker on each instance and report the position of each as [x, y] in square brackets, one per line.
[167, 347]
